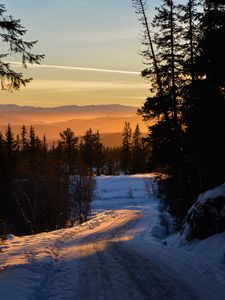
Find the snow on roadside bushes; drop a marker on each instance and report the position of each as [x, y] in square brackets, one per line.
[207, 216]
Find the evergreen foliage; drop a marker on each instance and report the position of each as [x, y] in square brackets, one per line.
[92, 151]
[126, 148]
[35, 182]
[187, 105]
[12, 36]
[138, 162]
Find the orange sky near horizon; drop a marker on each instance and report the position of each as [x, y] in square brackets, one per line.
[87, 34]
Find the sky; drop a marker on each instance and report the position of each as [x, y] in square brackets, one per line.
[88, 34]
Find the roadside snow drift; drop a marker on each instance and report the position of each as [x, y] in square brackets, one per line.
[117, 255]
[207, 216]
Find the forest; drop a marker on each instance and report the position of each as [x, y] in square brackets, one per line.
[45, 187]
[183, 53]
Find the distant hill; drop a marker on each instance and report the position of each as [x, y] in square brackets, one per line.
[108, 119]
[16, 114]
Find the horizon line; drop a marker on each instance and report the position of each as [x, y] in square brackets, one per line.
[59, 106]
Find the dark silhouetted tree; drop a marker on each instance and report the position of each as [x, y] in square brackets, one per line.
[68, 146]
[137, 152]
[11, 35]
[126, 148]
[24, 139]
[92, 151]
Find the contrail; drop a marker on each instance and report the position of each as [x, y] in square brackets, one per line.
[76, 68]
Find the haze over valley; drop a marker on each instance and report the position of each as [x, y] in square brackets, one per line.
[108, 119]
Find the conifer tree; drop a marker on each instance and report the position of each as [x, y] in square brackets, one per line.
[10, 142]
[34, 141]
[68, 148]
[126, 148]
[92, 150]
[212, 43]
[24, 139]
[190, 17]
[11, 35]
[149, 53]
[164, 111]
[98, 153]
[2, 154]
[44, 144]
[17, 143]
[137, 152]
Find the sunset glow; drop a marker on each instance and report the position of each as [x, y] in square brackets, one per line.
[91, 54]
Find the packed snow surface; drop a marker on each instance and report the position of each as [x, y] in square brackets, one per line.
[118, 254]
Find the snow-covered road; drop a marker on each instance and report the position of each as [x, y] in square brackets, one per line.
[116, 255]
[109, 267]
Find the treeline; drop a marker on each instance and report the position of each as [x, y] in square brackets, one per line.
[46, 187]
[183, 51]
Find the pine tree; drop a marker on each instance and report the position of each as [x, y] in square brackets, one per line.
[167, 40]
[68, 146]
[126, 148]
[164, 111]
[137, 152]
[44, 144]
[10, 142]
[190, 17]
[149, 53]
[17, 143]
[12, 33]
[98, 153]
[24, 139]
[2, 155]
[211, 62]
[92, 150]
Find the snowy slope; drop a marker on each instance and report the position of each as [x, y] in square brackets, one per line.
[119, 254]
[207, 216]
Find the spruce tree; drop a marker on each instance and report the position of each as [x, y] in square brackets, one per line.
[137, 152]
[149, 53]
[126, 148]
[10, 142]
[24, 138]
[92, 150]
[34, 141]
[211, 62]
[163, 112]
[190, 17]
[11, 35]
[68, 148]
[2, 155]
[44, 144]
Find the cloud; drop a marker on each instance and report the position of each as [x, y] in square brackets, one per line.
[16, 64]
[74, 85]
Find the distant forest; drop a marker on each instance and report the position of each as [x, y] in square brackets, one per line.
[45, 188]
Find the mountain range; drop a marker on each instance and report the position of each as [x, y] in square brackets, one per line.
[108, 119]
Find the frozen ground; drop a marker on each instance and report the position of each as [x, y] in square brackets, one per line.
[119, 254]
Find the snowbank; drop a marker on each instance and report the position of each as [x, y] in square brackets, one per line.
[207, 216]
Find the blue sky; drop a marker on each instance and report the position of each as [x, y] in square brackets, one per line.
[84, 33]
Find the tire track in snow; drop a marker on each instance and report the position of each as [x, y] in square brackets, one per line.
[140, 275]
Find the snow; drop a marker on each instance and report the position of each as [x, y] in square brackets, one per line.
[120, 253]
[213, 193]
[207, 216]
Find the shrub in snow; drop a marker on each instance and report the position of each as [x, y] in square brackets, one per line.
[81, 191]
[207, 216]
